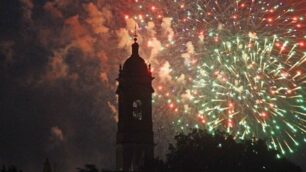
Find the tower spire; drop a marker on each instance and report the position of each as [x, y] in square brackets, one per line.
[135, 33]
[135, 45]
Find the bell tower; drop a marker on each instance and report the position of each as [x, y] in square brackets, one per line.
[134, 142]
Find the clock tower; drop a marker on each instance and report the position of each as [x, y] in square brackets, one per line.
[134, 142]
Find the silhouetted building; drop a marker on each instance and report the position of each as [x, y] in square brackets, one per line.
[47, 166]
[135, 131]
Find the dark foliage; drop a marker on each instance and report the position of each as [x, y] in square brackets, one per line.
[155, 165]
[201, 151]
[10, 169]
[88, 168]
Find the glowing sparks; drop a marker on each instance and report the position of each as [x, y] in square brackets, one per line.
[237, 66]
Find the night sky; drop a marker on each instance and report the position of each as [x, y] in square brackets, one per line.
[56, 99]
[59, 61]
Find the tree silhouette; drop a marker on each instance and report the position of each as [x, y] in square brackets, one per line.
[88, 168]
[155, 165]
[201, 151]
[11, 168]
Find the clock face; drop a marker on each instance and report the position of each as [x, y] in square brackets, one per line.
[137, 109]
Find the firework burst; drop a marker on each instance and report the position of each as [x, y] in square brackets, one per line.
[237, 66]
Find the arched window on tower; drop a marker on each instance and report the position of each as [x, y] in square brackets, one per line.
[137, 109]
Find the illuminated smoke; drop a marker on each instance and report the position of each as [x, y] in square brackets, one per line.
[57, 134]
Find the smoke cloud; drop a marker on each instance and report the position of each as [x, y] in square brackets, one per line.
[58, 64]
[57, 134]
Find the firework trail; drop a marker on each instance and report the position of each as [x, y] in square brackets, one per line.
[236, 66]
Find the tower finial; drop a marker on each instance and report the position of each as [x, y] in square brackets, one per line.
[135, 33]
[135, 45]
